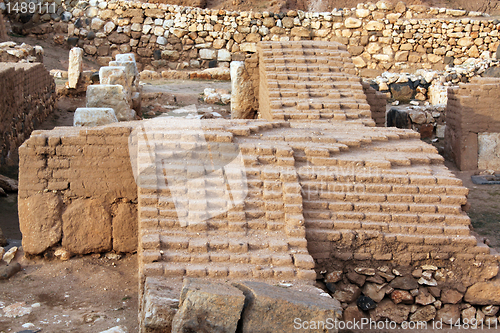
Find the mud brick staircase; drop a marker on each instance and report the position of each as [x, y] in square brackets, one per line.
[316, 183]
[309, 80]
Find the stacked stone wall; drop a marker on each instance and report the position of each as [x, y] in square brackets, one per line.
[81, 182]
[379, 37]
[26, 99]
[378, 102]
[472, 109]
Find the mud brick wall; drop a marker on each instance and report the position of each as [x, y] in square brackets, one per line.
[252, 68]
[472, 108]
[27, 97]
[76, 190]
[377, 102]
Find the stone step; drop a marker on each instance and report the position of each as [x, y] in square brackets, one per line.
[221, 270]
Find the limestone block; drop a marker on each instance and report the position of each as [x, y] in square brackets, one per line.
[158, 309]
[352, 23]
[130, 70]
[110, 96]
[438, 93]
[374, 25]
[242, 97]
[208, 307]
[274, 309]
[362, 12]
[115, 75]
[86, 227]
[248, 47]
[125, 57]
[223, 55]
[488, 151]
[40, 221]
[96, 24]
[75, 66]
[208, 54]
[94, 117]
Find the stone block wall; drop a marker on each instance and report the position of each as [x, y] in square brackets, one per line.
[377, 101]
[472, 109]
[76, 190]
[26, 99]
[379, 37]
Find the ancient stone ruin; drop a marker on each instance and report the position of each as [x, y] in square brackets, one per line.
[472, 124]
[311, 191]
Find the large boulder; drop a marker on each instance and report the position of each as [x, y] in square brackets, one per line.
[274, 309]
[94, 117]
[484, 293]
[75, 66]
[110, 96]
[40, 221]
[207, 306]
[87, 227]
[242, 96]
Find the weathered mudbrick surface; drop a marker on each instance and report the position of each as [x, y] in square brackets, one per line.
[378, 104]
[472, 109]
[27, 96]
[379, 37]
[81, 182]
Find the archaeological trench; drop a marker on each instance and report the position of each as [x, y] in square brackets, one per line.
[313, 191]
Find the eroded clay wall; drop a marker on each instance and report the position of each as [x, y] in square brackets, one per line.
[26, 99]
[76, 190]
[379, 37]
[377, 102]
[472, 108]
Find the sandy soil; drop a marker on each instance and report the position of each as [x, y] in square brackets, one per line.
[84, 294]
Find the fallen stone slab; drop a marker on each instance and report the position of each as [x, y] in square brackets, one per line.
[110, 96]
[276, 309]
[94, 117]
[158, 310]
[207, 306]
